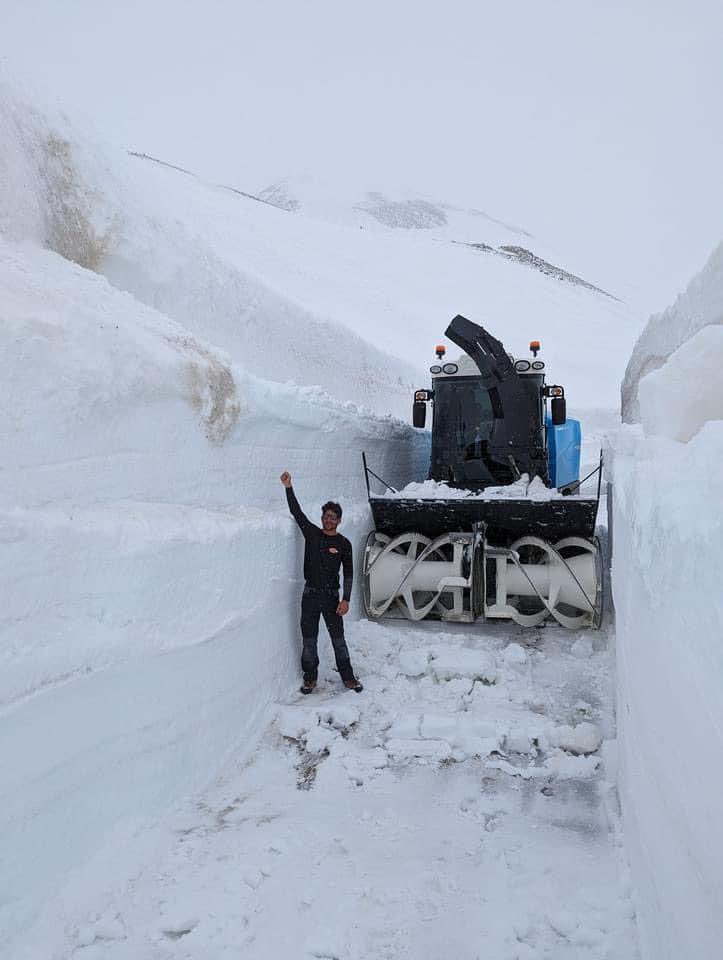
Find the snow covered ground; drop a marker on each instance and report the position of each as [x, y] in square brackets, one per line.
[458, 807]
[667, 559]
[167, 349]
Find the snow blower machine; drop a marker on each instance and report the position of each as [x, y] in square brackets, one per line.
[498, 530]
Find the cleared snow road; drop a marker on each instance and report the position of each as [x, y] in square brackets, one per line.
[451, 810]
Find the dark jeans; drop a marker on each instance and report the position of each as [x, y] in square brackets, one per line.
[316, 603]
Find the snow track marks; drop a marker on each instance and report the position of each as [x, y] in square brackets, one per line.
[387, 825]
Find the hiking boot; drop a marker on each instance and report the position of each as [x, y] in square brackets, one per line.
[307, 686]
[353, 684]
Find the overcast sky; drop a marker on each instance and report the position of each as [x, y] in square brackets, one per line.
[596, 126]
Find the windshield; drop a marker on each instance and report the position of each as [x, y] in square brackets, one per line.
[463, 415]
[476, 442]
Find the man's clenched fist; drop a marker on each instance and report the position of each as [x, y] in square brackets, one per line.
[286, 478]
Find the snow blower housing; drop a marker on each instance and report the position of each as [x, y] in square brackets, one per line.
[500, 533]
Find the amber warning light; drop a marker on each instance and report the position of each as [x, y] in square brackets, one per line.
[534, 347]
[440, 350]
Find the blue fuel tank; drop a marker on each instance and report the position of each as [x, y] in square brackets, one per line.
[563, 451]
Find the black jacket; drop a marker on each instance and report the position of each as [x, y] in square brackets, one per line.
[323, 555]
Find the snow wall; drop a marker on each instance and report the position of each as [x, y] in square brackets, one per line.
[667, 562]
[151, 571]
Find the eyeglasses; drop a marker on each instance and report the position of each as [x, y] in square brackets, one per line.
[330, 516]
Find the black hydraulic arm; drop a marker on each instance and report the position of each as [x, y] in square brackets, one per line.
[516, 431]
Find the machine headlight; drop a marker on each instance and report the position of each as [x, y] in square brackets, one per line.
[435, 368]
[450, 368]
[522, 366]
[538, 365]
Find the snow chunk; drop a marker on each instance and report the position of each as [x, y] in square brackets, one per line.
[581, 739]
[341, 716]
[522, 489]
[294, 724]
[514, 655]
[318, 727]
[413, 663]
[462, 662]
[560, 766]
[319, 739]
[520, 740]
[565, 767]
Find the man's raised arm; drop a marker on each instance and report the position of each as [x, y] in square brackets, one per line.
[296, 512]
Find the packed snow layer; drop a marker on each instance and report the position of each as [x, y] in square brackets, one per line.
[667, 562]
[698, 307]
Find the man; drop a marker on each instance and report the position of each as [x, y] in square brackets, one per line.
[325, 551]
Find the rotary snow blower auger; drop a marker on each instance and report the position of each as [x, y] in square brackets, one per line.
[500, 532]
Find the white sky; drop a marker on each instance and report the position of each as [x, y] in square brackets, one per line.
[594, 125]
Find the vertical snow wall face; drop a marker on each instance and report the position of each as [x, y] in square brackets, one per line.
[667, 562]
[151, 574]
[151, 571]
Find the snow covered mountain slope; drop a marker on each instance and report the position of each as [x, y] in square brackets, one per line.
[668, 554]
[416, 213]
[403, 210]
